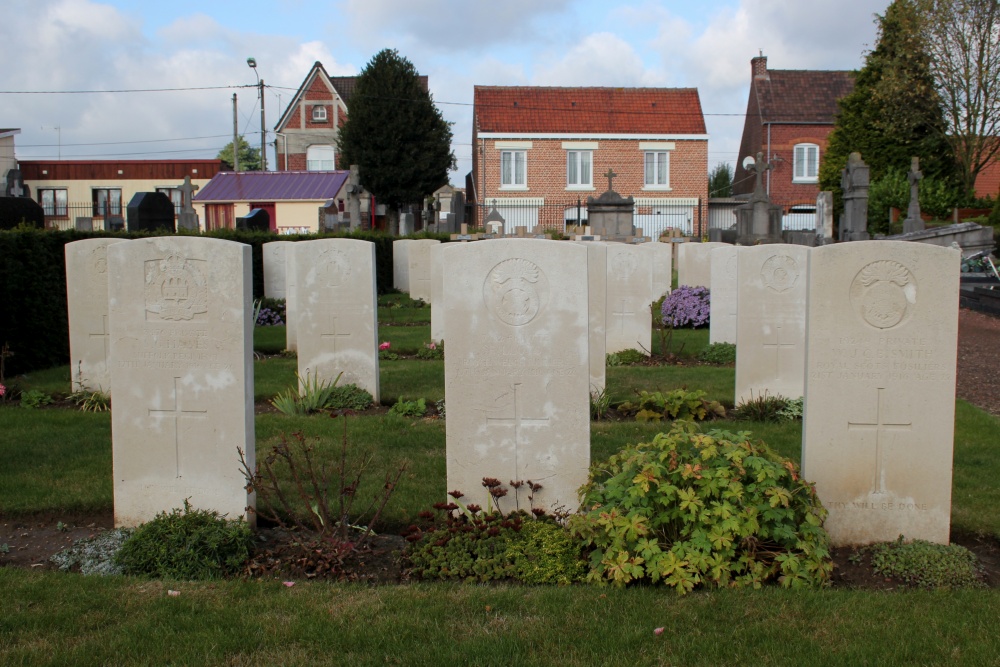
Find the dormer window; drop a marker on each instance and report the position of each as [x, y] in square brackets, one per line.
[319, 114]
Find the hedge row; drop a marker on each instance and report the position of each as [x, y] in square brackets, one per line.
[33, 286]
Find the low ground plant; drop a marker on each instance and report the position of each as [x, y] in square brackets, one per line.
[186, 544]
[298, 490]
[628, 357]
[676, 404]
[721, 354]
[34, 398]
[315, 395]
[692, 509]
[923, 564]
[764, 408]
[405, 408]
[269, 312]
[431, 350]
[91, 400]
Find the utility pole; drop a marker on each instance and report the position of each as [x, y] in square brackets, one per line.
[263, 130]
[236, 143]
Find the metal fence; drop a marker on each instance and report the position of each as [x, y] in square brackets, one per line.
[87, 216]
[558, 216]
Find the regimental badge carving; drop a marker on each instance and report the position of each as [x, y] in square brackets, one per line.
[97, 271]
[516, 290]
[884, 293]
[623, 264]
[176, 288]
[336, 267]
[730, 269]
[780, 273]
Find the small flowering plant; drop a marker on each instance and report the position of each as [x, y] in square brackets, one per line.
[431, 350]
[687, 306]
[385, 353]
[384, 346]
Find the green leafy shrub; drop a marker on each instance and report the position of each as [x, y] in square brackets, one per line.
[793, 410]
[405, 408]
[676, 404]
[431, 350]
[462, 542]
[693, 508]
[34, 398]
[188, 544]
[314, 395]
[627, 358]
[924, 564]
[718, 353]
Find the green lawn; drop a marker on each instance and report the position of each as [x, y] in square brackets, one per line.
[59, 460]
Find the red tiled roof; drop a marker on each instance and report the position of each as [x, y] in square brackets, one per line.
[802, 96]
[550, 110]
[230, 186]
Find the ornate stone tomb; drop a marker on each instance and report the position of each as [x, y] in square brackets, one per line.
[337, 329]
[87, 310]
[182, 360]
[517, 370]
[770, 328]
[880, 390]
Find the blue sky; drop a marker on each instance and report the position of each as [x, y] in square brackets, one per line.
[59, 45]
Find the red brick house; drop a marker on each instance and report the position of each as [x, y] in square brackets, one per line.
[790, 113]
[536, 151]
[307, 130]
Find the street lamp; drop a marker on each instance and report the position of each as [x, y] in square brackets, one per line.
[252, 62]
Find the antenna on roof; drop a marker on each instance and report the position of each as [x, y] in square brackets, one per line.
[761, 52]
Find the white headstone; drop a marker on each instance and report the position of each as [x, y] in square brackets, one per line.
[517, 369]
[770, 331]
[630, 289]
[87, 310]
[291, 298]
[597, 278]
[401, 264]
[419, 272]
[437, 289]
[663, 267]
[723, 295]
[337, 327]
[694, 263]
[879, 421]
[274, 268]
[182, 361]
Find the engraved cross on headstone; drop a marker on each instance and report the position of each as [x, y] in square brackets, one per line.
[622, 315]
[777, 345]
[517, 420]
[177, 413]
[333, 335]
[881, 426]
[610, 175]
[105, 335]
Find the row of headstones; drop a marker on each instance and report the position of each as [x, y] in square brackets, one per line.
[867, 333]
[880, 341]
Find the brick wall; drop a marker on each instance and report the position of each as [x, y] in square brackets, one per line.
[302, 131]
[546, 172]
[783, 140]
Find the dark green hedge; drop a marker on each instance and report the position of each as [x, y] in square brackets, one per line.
[33, 286]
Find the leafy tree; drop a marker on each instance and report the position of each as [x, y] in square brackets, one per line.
[720, 180]
[249, 156]
[894, 112]
[395, 134]
[963, 41]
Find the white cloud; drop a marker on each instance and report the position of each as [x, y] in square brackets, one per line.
[599, 59]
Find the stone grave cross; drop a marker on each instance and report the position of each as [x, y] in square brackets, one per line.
[880, 427]
[610, 175]
[777, 345]
[914, 222]
[187, 194]
[517, 421]
[177, 413]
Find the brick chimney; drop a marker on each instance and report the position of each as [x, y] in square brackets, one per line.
[758, 66]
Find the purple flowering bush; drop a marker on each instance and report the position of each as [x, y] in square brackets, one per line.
[686, 306]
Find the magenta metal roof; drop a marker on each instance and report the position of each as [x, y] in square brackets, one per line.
[232, 186]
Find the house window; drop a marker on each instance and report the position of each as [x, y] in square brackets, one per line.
[657, 169]
[219, 216]
[319, 114]
[53, 201]
[579, 169]
[175, 196]
[107, 201]
[319, 158]
[806, 163]
[513, 169]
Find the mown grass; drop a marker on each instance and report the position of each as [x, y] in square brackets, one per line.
[65, 619]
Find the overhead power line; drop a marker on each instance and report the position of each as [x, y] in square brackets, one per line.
[122, 90]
